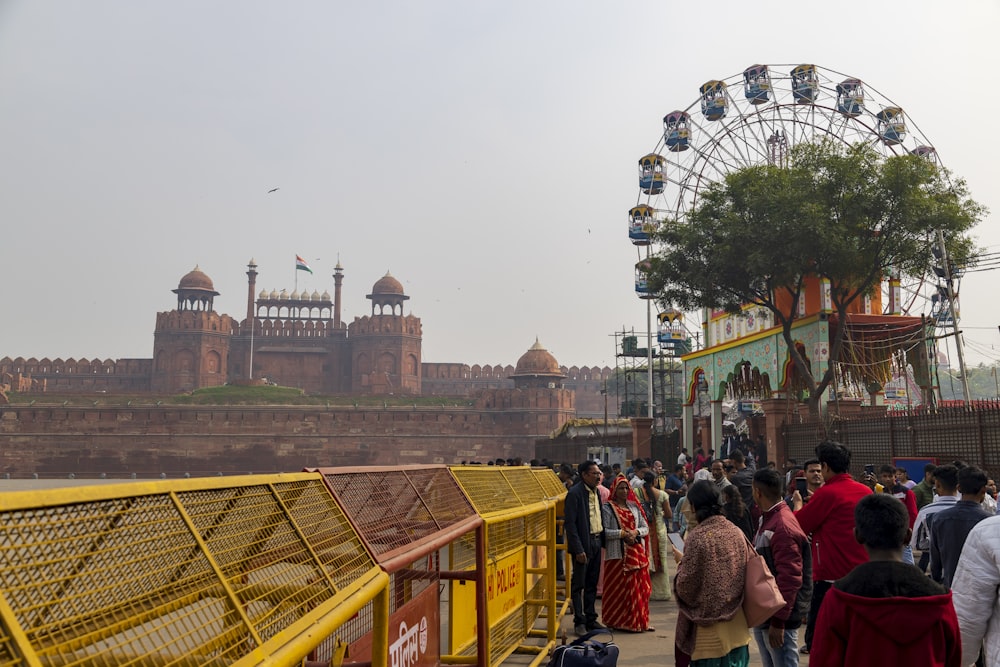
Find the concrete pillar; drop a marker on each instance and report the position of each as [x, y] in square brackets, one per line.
[715, 436]
[776, 412]
[687, 427]
[642, 437]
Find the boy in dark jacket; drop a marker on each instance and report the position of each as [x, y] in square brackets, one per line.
[885, 611]
[785, 548]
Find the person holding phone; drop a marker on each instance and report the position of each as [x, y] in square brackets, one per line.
[807, 482]
[889, 484]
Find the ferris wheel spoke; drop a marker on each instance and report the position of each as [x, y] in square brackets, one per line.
[755, 130]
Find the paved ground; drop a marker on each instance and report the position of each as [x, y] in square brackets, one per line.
[643, 649]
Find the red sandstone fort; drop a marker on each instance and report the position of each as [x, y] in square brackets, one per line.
[297, 340]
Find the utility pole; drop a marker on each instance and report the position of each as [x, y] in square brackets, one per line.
[604, 447]
[946, 265]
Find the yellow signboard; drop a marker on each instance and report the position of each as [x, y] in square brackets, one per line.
[505, 587]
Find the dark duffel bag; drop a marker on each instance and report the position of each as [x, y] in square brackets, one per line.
[586, 652]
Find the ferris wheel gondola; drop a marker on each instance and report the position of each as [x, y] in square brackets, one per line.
[720, 133]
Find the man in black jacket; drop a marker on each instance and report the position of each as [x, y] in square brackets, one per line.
[952, 526]
[584, 533]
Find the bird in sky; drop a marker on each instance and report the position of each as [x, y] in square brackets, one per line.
[273, 190]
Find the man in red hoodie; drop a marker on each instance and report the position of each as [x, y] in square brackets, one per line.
[828, 519]
[886, 611]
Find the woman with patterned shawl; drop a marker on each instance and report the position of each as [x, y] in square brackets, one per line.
[711, 628]
[625, 599]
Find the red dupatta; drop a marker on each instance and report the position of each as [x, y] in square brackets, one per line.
[634, 557]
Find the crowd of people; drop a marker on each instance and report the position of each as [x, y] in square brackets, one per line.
[842, 551]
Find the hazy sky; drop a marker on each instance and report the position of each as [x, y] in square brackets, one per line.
[482, 152]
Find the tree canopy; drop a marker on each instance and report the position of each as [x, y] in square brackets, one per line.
[843, 213]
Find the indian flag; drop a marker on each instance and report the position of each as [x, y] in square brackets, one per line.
[300, 265]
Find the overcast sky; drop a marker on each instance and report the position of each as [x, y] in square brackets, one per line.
[482, 152]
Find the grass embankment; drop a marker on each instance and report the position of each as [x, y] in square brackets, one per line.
[231, 395]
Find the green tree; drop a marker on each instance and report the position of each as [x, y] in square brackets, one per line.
[844, 213]
[984, 382]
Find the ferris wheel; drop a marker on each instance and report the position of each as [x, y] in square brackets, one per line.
[753, 118]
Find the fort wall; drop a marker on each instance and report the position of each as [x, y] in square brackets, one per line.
[125, 376]
[205, 440]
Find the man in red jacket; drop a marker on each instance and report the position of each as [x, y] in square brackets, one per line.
[829, 521]
[785, 548]
[886, 612]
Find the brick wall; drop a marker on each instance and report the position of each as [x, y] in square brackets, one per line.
[149, 440]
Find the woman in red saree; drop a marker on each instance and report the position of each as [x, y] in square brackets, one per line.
[625, 599]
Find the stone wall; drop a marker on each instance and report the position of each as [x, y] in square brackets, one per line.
[83, 375]
[174, 440]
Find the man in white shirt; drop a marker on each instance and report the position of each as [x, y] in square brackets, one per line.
[990, 501]
[719, 475]
[946, 488]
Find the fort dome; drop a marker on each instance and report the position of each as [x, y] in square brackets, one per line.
[196, 279]
[387, 285]
[537, 361]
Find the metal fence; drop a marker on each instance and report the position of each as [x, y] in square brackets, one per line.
[518, 506]
[408, 515]
[233, 571]
[948, 434]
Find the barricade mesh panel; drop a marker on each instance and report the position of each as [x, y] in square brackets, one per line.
[325, 527]
[488, 491]
[504, 537]
[538, 592]
[536, 526]
[403, 587]
[194, 571]
[550, 483]
[507, 635]
[8, 654]
[463, 552]
[492, 492]
[357, 627]
[396, 507]
[525, 484]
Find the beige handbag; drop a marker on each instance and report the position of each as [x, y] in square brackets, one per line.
[761, 597]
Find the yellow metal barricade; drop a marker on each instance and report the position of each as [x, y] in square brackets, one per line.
[215, 571]
[408, 516]
[555, 490]
[519, 512]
